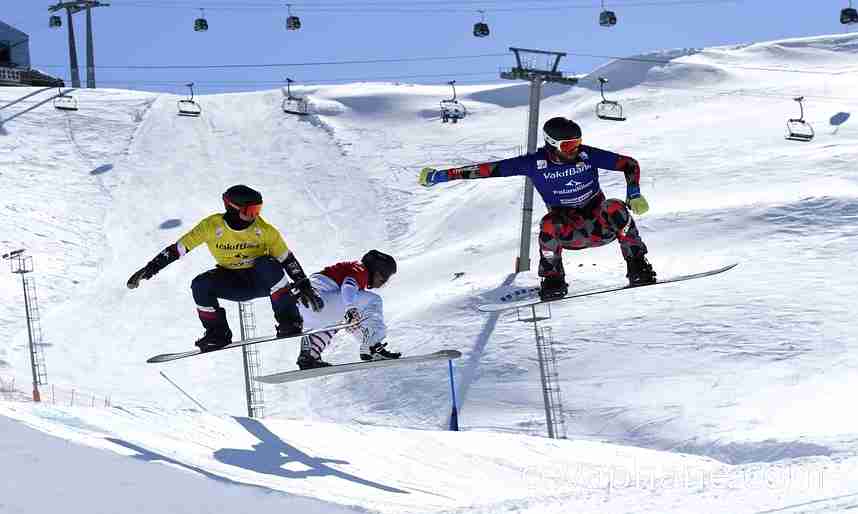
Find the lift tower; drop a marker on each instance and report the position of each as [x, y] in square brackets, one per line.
[71, 8]
[22, 264]
[526, 69]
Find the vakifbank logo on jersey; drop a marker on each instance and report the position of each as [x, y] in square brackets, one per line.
[579, 168]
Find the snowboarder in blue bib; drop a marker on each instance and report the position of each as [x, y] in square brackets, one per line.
[565, 172]
[253, 261]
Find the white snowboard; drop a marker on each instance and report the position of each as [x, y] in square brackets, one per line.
[292, 376]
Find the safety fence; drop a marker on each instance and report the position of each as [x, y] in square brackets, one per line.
[10, 390]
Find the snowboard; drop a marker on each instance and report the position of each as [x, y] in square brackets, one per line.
[167, 357]
[292, 376]
[514, 300]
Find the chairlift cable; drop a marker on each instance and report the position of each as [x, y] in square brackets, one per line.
[322, 81]
[420, 7]
[280, 65]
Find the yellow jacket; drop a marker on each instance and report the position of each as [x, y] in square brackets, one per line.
[235, 249]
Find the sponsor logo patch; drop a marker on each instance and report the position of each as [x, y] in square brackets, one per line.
[579, 168]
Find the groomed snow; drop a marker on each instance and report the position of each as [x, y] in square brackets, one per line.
[746, 379]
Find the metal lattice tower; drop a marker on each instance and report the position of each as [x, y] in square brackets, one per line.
[252, 362]
[554, 418]
[23, 264]
[526, 69]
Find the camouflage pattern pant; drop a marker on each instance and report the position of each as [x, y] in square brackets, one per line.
[595, 224]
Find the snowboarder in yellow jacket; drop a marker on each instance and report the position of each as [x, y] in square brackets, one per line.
[253, 261]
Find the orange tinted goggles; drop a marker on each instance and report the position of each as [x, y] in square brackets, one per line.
[250, 211]
[569, 145]
[566, 146]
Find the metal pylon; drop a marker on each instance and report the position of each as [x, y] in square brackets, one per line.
[252, 362]
[22, 264]
[73, 7]
[550, 384]
[526, 69]
[554, 418]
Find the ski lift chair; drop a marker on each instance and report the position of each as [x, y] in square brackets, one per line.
[849, 15]
[294, 104]
[200, 24]
[292, 22]
[451, 109]
[797, 129]
[189, 107]
[607, 18]
[608, 109]
[481, 28]
[297, 106]
[55, 22]
[65, 102]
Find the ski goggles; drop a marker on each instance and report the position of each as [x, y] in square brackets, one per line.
[565, 146]
[248, 212]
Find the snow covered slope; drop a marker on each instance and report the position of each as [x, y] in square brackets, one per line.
[752, 367]
[206, 463]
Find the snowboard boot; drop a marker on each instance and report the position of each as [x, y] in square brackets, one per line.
[378, 352]
[553, 284]
[217, 333]
[307, 361]
[289, 324]
[553, 288]
[639, 271]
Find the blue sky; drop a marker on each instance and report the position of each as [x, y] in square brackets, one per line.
[160, 33]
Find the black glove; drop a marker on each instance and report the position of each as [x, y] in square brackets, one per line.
[308, 296]
[146, 272]
[165, 257]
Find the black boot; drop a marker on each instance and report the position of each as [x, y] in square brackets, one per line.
[550, 267]
[307, 361]
[553, 288]
[378, 352]
[639, 271]
[217, 333]
[553, 284]
[289, 323]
